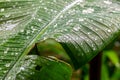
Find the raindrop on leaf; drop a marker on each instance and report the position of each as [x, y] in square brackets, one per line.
[109, 30]
[108, 2]
[1, 10]
[7, 65]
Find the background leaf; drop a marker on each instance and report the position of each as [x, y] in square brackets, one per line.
[112, 55]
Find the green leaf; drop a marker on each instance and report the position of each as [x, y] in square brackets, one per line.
[104, 73]
[112, 55]
[41, 68]
[83, 28]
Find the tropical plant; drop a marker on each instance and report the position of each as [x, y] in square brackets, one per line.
[34, 32]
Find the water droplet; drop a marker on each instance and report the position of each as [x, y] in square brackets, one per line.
[22, 30]
[7, 65]
[61, 16]
[109, 30]
[69, 21]
[28, 31]
[55, 25]
[72, 12]
[22, 68]
[100, 19]
[55, 11]
[46, 8]
[95, 39]
[1, 10]
[12, 53]
[7, 15]
[27, 37]
[14, 6]
[89, 10]
[16, 53]
[33, 5]
[9, 78]
[0, 68]
[6, 50]
[76, 28]
[96, 29]
[54, 1]
[19, 7]
[4, 71]
[89, 33]
[80, 19]
[81, 43]
[9, 26]
[39, 20]
[108, 2]
[88, 40]
[80, 1]
[94, 48]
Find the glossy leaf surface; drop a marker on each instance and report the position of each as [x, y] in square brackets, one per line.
[82, 27]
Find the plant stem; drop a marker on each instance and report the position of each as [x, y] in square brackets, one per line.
[95, 68]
